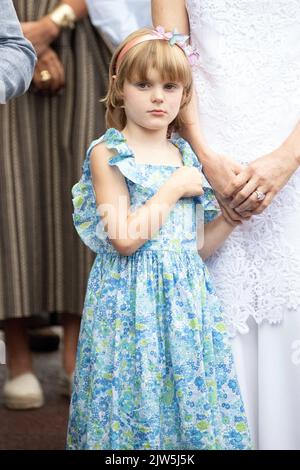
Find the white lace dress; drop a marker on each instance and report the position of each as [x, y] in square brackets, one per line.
[248, 86]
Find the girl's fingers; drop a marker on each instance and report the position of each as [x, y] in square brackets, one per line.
[230, 215]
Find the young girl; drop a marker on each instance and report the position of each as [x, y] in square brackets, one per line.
[154, 367]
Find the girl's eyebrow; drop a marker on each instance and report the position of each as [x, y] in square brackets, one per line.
[152, 81]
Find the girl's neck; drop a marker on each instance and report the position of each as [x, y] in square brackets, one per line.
[138, 135]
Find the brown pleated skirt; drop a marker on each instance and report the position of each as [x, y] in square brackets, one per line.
[43, 140]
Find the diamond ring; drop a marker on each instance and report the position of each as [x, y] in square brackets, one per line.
[260, 196]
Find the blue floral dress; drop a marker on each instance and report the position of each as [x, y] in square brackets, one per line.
[154, 366]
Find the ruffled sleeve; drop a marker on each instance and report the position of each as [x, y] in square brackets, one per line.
[124, 158]
[207, 200]
[85, 216]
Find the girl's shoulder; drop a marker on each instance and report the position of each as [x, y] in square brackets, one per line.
[111, 143]
[85, 216]
[112, 147]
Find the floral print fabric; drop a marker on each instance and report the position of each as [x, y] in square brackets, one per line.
[154, 366]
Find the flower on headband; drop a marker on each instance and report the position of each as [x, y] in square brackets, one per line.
[172, 36]
[180, 39]
[192, 54]
[162, 32]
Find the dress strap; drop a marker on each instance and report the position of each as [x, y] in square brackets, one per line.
[189, 157]
[208, 200]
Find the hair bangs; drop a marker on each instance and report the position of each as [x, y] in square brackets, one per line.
[169, 61]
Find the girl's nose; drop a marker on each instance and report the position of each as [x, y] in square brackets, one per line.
[157, 96]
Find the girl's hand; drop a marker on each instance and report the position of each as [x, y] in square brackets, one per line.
[268, 174]
[40, 33]
[188, 181]
[49, 61]
[230, 215]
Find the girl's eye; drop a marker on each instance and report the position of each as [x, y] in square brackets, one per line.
[143, 85]
[171, 86]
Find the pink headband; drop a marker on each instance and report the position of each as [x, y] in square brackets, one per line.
[159, 33]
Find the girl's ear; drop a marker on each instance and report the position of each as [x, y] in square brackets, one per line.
[122, 99]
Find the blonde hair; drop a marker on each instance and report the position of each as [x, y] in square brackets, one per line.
[169, 61]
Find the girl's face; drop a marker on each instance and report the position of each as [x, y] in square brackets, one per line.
[152, 104]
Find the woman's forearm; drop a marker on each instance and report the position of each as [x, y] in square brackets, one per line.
[170, 14]
[192, 132]
[292, 143]
[53, 27]
[44, 31]
[215, 233]
[173, 14]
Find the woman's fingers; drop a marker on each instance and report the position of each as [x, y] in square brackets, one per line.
[55, 80]
[39, 78]
[243, 194]
[56, 68]
[264, 204]
[254, 201]
[49, 73]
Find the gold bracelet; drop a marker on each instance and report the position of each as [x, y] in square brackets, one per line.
[63, 16]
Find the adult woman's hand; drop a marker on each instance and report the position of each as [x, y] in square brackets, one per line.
[268, 175]
[221, 172]
[40, 33]
[50, 63]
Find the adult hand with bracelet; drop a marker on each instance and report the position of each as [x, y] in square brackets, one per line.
[41, 33]
[49, 75]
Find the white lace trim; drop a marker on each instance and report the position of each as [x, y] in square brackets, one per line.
[248, 85]
[257, 271]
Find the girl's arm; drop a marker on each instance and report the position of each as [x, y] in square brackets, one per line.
[128, 231]
[215, 233]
